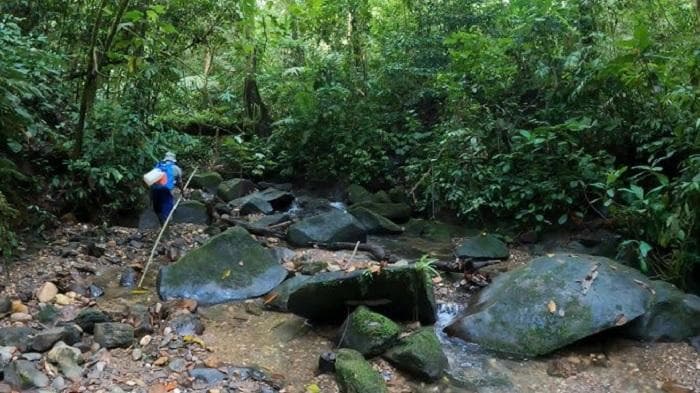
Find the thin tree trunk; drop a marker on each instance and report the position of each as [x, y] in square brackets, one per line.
[95, 61]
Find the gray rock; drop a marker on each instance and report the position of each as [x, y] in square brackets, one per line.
[31, 356]
[234, 188]
[207, 376]
[419, 354]
[19, 337]
[374, 223]
[140, 318]
[277, 200]
[280, 186]
[177, 365]
[282, 254]
[357, 194]
[552, 302]
[367, 332]
[280, 295]
[23, 375]
[5, 304]
[481, 247]
[191, 212]
[255, 205]
[208, 181]
[148, 220]
[68, 359]
[45, 339]
[230, 266]
[355, 375]
[128, 277]
[88, 317]
[6, 354]
[402, 293]
[186, 324]
[671, 316]
[114, 335]
[695, 343]
[336, 226]
[47, 314]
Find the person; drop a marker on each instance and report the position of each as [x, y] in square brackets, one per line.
[161, 192]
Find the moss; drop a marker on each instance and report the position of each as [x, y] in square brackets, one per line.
[368, 332]
[356, 375]
[419, 354]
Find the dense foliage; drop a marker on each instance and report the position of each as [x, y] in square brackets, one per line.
[544, 112]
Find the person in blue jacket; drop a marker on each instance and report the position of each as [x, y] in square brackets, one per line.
[161, 192]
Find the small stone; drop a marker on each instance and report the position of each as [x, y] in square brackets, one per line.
[254, 308]
[63, 300]
[5, 304]
[88, 317]
[326, 362]
[136, 354]
[178, 365]
[212, 362]
[187, 324]
[59, 383]
[22, 374]
[113, 335]
[20, 317]
[68, 360]
[161, 361]
[47, 292]
[44, 340]
[18, 307]
[145, 340]
[31, 356]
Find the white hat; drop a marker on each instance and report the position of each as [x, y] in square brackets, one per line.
[170, 156]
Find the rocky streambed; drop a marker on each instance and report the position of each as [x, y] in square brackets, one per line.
[258, 289]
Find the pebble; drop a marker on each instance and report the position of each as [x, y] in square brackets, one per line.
[145, 340]
[21, 317]
[136, 354]
[161, 361]
[178, 365]
[47, 292]
[63, 300]
[31, 356]
[18, 307]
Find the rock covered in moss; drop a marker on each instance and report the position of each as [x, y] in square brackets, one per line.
[355, 375]
[419, 354]
[234, 188]
[208, 181]
[551, 302]
[230, 266]
[368, 332]
[375, 223]
[402, 292]
[399, 212]
[191, 212]
[357, 194]
[672, 316]
[483, 246]
[334, 226]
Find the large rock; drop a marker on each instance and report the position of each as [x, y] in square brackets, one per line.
[367, 332]
[68, 359]
[483, 246]
[208, 181]
[419, 354]
[191, 212]
[358, 194]
[255, 205]
[671, 316]
[114, 335]
[356, 375]
[23, 375]
[234, 188]
[551, 302]
[399, 212]
[335, 226]
[402, 293]
[148, 220]
[280, 295]
[230, 266]
[374, 223]
[88, 317]
[45, 339]
[19, 337]
[277, 199]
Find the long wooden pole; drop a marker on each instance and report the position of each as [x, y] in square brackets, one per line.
[162, 230]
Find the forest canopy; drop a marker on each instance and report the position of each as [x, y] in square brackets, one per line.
[541, 113]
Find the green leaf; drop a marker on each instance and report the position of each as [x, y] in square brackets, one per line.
[563, 219]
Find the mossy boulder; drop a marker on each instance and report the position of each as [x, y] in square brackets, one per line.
[382, 197]
[280, 295]
[357, 194]
[483, 246]
[230, 266]
[374, 223]
[398, 212]
[334, 226]
[419, 354]
[207, 181]
[367, 332]
[404, 293]
[551, 302]
[235, 188]
[671, 316]
[191, 212]
[355, 375]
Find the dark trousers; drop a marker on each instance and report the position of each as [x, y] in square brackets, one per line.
[163, 202]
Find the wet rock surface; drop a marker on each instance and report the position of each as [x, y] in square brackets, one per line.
[336, 226]
[231, 266]
[367, 332]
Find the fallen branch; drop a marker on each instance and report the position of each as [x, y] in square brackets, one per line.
[377, 252]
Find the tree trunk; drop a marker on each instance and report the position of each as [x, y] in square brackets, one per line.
[95, 60]
[255, 108]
